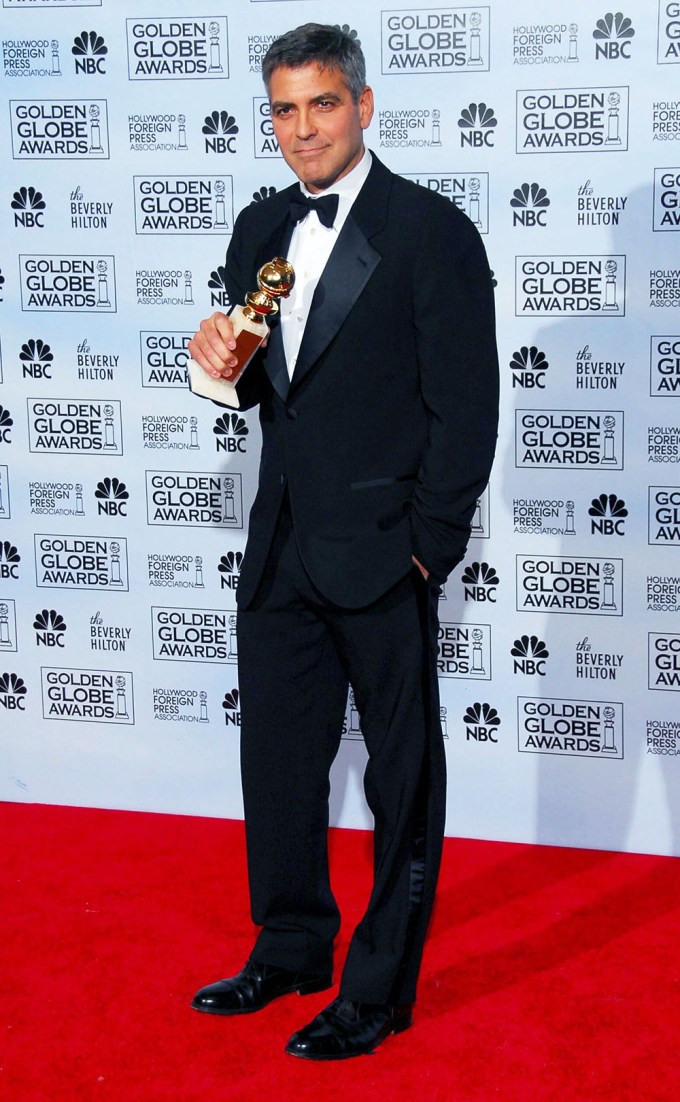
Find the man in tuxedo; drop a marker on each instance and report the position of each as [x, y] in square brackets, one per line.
[377, 395]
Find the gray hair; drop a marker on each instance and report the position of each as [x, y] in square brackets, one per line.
[330, 47]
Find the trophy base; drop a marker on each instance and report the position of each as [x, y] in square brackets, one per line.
[249, 334]
[218, 390]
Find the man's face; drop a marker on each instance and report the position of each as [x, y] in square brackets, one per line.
[318, 126]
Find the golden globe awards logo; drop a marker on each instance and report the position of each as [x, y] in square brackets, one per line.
[68, 284]
[193, 634]
[164, 356]
[178, 48]
[81, 562]
[570, 286]
[666, 199]
[572, 120]
[435, 40]
[664, 366]
[569, 585]
[8, 625]
[265, 144]
[57, 425]
[668, 38]
[194, 499]
[663, 661]
[664, 516]
[183, 204]
[586, 439]
[574, 728]
[464, 650]
[96, 696]
[469, 191]
[59, 129]
[5, 511]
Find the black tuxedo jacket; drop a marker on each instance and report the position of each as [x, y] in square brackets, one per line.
[385, 436]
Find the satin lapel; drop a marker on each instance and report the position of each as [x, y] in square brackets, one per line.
[347, 272]
[275, 361]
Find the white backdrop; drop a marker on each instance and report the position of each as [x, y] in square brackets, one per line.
[130, 140]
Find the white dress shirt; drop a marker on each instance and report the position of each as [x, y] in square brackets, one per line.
[309, 250]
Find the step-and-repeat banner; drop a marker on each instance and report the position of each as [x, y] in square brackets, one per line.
[131, 137]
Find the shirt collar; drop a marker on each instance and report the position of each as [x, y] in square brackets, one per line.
[349, 186]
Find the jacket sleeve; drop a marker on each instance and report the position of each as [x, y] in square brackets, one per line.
[458, 370]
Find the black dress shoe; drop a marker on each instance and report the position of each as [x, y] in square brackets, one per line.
[347, 1028]
[254, 987]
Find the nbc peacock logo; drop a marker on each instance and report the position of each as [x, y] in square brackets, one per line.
[480, 582]
[529, 654]
[219, 130]
[50, 628]
[230, 704]
[477, 125]
[13, 692]
[529, 205]
[482, 722]
[28, 205]
[230, 432]
[89, 53]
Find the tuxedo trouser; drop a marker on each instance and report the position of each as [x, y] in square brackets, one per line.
[298, 653]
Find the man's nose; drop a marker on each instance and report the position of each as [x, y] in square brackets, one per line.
[305, 125]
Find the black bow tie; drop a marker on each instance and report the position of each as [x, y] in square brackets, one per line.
[326, 206]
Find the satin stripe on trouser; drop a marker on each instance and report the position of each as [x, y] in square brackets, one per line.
[297, 655]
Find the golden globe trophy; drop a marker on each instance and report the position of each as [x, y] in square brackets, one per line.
[275, 280]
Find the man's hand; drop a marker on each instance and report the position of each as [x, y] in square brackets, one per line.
[212, 347]
[423, 571]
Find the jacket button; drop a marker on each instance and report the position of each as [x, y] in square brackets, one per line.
[291, 414]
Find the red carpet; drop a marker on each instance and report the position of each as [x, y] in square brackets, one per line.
[550, 974]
